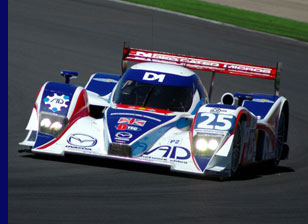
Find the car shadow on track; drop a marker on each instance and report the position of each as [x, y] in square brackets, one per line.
[259, 170]
[246, 173]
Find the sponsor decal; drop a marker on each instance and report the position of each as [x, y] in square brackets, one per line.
[148, 109]
[56, 102]
[138, 115]
[124, 127]
[217, 110]
[171, 152]
[175, 141]
[180, 60]
[151, 76]
[208, 132]
[141, 108]
[263, 101]
[247, 68]
[132, 121]
[172, 59]
[105, 80]
[81, 140]
[123, 136]
[72, 147]
[119, 141]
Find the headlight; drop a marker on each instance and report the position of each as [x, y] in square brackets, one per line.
[52, 124]
[56, 126]
[201, 144]
[46, 122]
[206, 145]
[213, 144]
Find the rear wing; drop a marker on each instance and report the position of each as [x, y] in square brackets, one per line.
[203, 64]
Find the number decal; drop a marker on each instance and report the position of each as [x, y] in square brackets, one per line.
[225, 120]
[206, 123]
[221, 122]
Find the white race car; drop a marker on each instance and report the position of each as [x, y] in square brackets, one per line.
[158, 112]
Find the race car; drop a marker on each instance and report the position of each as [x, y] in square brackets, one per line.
[159, 112]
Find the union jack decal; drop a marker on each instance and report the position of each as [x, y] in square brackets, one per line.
[132, 121]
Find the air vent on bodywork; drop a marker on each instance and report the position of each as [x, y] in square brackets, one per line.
[96, 111]
[120, 150]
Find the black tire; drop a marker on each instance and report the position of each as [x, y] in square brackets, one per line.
[236, 150]
[281, 136]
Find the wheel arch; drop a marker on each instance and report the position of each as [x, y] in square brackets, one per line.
[285, 111]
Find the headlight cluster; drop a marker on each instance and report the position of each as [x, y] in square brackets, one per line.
[206, 145]
[52, 124]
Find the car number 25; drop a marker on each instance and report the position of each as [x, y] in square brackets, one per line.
[221, 122]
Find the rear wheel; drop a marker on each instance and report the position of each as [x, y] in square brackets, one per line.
[281, 136]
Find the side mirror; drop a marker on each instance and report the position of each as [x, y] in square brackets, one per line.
[68, 75]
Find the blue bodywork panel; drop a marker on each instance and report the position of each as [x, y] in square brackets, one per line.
[124, 126]
[55, 103]
[167, 79]
[258, 104]
[57, 98]
[102, 83]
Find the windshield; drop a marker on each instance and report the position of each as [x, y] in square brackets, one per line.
[173, 98]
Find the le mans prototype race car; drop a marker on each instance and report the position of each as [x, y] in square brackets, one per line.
[158, 112]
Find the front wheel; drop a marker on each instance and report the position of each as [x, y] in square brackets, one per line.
[236, 150]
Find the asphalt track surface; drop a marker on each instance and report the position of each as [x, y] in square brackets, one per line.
[87, 36]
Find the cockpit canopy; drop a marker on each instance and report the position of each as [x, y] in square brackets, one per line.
[159, 86]
[172, 98]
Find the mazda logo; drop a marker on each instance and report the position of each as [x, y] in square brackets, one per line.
[81, 140]
[124, 135]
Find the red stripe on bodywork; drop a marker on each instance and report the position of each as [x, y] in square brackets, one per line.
[237, 120]
[81, 108]
[190, 139]
[149, 109]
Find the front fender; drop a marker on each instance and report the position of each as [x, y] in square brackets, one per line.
[212, 134]
[57, 106]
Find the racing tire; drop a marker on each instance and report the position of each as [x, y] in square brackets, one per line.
[281, 136]
[236, 150]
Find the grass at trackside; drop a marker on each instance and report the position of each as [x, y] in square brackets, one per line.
[242, 18]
